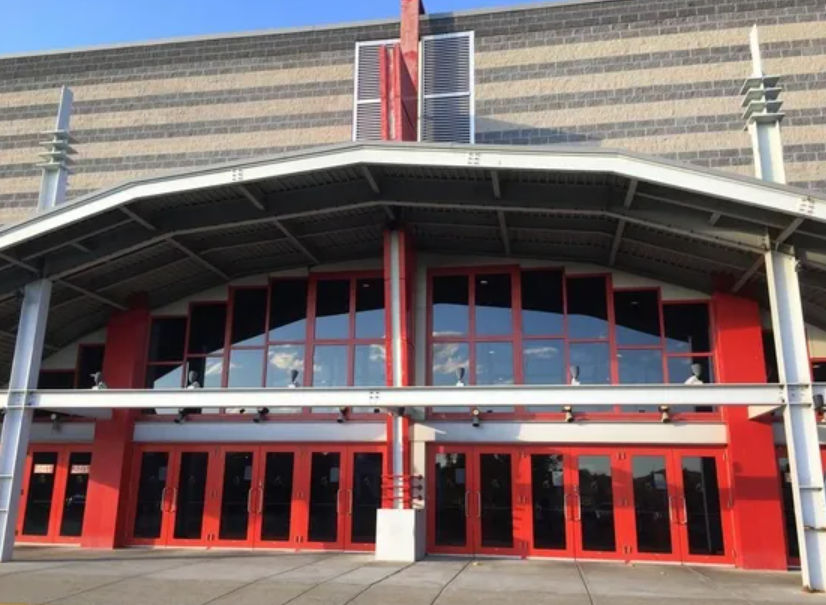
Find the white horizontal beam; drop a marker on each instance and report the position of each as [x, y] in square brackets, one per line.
[487, 396]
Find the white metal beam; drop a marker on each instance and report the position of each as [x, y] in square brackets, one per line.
[800, 422]
[371, 180]
[615, 245]
[294, 241]
[354, 397]
[396, 322]
[198, 259]
[629, 195]
[252, 198]
[497, 185]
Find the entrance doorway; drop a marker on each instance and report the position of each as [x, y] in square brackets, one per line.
[580, 502]
[53, 500]
[314, 497]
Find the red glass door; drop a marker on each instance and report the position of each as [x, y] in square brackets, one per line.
[53, 499]
[598, 503]
[473, 499]
[323, 495]
[236, 471]
[274, 501]
[654, 499]
[703, 506]
[363, 493]
[172, 495]
[547, 511]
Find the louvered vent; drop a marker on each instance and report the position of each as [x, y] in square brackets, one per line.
[367, 113]
[447, 88]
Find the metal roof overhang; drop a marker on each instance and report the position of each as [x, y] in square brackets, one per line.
[179, 233]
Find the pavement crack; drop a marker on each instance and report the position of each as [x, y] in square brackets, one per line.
[314, 586]
[449, 582]
[371, 584]
[584, 583]
[703, 577]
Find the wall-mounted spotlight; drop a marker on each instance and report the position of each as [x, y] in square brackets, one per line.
[182, 416]
[460, 377]
[477, 417]
[569, 413]
[819, 405]
[97, 381]
[293, 379]
[342, 415]
[665, 413]
[192, 381]
[261, 415]
[56, 422]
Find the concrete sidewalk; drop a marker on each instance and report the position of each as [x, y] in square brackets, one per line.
[191, 577]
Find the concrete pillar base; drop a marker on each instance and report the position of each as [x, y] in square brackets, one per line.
[400, 535]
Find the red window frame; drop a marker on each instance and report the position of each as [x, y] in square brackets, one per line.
[517, 338]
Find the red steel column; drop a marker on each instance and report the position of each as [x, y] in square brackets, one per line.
[758, 506]
[123, 368]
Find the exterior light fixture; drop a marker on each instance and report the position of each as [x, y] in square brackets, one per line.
[342, 415]
[460, 377]
[293, 379]
[192, 381]
[477, 417]
[261, 415]
[97, 380]
[819, 405]
[183, 414]
[569, 413]
[665, 413]
[56, 423]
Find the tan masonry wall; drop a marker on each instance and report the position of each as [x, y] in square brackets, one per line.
[612, 74]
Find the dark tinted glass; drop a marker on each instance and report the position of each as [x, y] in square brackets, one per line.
[249, 314]
[587, 308]
[167, 340]
[332, 308]
[493, 304]
[640, 366]
[703, 517]
[365, 498]
[792, 548]
[638, 317]
[548, 494]
[651, 504]
[151, 493]
[770, 358]
[74, 496]
[235, 497]
[370, 308]
[56, 380]
[164, 377]
[39, 499]
[288, 310]
[325, 482]
[495, 500]
[191, 495]
[278, 496]
[450, 305]
[542, 304]
[818, 371]
[451, 500]
[90, 361]
[596, 503]
[687, 328]
[207, 328]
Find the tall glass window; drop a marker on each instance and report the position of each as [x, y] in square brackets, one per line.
[247, 333]
[165, 361]
[688, 345]
[639, 340]
[205, 346]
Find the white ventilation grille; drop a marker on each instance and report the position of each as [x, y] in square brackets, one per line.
[367, 106]
[447, 99]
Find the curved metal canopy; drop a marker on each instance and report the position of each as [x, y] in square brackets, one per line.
[179, 233]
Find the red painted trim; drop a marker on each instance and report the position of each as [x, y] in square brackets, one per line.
[408, 69]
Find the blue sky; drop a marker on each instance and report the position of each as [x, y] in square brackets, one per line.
[31, 25]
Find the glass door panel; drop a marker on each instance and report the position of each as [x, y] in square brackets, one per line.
[325, 498]
[494, 501]
[703, 519]
[652, 505]
[275, 503]
[595, 518]
[151, 503]
[39, 494]
[190, 495]
[236, 496]
[364, 497]
[549, 512]
[450, 492]
[74, 496]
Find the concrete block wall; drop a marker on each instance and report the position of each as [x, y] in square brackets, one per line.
[655, 77]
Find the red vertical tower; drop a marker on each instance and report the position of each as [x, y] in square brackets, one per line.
[758, 512]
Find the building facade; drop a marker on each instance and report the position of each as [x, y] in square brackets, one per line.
[240, 289]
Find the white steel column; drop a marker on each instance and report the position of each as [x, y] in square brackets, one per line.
[396, 320]
[799, 419]
[31, 333]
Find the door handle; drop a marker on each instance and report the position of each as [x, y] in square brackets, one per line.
[338, 502]
[578, 516]
[261, 499]
[350, 511]
[249, 500]
[566, 513]
[467, 502]
[671, 509]
[164, 491]
[173, 504]
[478, 505]
[685, 510]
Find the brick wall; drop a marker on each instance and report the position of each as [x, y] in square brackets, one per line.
[655, 77]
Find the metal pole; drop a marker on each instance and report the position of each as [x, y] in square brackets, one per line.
[31, 334]
[397, 344]
[799, 420]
